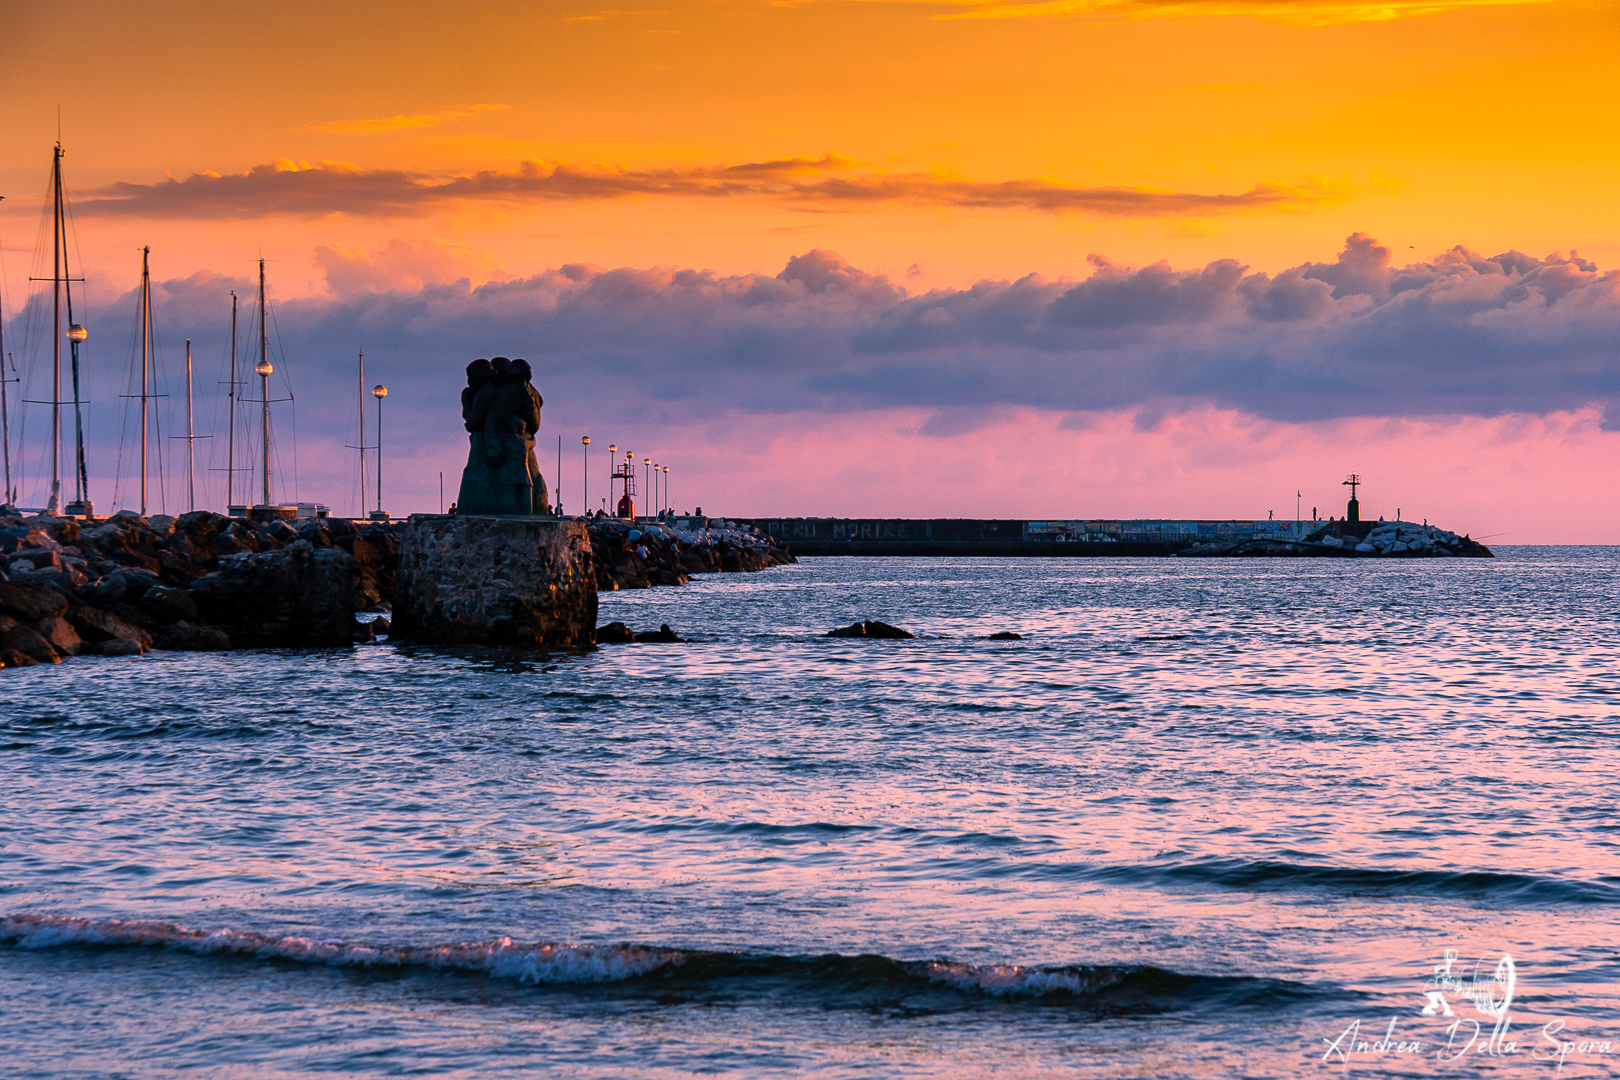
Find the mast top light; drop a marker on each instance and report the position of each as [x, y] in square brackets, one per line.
[77, 333]
[264, 368]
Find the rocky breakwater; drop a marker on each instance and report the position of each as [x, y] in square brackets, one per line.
[639, 555]
[197, 581]
[524, 581]
[1357, 539]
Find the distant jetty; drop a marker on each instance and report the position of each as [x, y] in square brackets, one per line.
[1092, 538]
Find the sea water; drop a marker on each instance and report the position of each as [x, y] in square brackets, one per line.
[1208, 818]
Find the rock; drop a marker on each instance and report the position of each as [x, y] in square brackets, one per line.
[364, 632]
[38, 558]
[167, 605]
[66, 580]
[21, 638]
[189, 637]
[383, 627]
[13, 658]
[871, 628]
[495, 581]
[293, 598]
[30, 603]
[662, 635]
[100, 628]
[60, 633]
[122, 648]
[1365, 548]
[126, 585]
[1005, 635]
[136, 616]
[615, 633]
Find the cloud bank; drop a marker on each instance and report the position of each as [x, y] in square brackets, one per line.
[756, 377]
[1459, 334]
[828, 183]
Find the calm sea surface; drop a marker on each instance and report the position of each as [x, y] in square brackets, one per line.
[1205, 820]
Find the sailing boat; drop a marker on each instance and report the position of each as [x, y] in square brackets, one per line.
[62, 296]
[265, 510]
[148, 366]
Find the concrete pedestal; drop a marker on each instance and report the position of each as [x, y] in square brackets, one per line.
[525, 581]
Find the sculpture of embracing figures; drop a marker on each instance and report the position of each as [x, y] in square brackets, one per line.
[501, 410]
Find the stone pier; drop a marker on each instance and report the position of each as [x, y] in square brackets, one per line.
[524, 581]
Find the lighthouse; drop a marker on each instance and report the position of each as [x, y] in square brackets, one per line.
[1353, 511]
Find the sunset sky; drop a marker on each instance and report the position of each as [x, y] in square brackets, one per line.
[1065, 258]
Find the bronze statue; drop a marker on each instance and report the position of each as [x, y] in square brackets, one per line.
[501, 411]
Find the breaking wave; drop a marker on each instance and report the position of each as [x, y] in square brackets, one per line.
[1127, 988]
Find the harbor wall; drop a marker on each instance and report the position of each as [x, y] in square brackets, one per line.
[1090, 537]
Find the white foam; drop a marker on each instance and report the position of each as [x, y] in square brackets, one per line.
[1008, 980]
[541, 962]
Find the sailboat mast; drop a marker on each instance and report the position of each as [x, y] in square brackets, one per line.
[76, 336]
[55, 504]
[7, 496]
[264, 382]
[191, 437]
[5, 404]
[230, 438]
[146, 340]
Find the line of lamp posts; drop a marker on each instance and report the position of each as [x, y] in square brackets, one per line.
[651, 473]
[651, 470]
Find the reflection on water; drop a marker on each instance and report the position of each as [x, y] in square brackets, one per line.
[1206, 815]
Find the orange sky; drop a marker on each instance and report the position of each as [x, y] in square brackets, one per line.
[1488, 125]
[939, 144]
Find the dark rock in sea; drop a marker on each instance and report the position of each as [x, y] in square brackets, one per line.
[871, 628]
[19, 637]
[189, 637]
[30, 603]
[122, 648]
[60, 633]
[13, 658]
[100, 628]
[383, 627]
[1005, 635]
[662, 635]
[296, 597]
[615, 633]
[364, 632]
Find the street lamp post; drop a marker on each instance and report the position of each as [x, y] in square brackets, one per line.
[666, 489]
[646, 462]
[658, 502]
[379, 392]
[585, 441]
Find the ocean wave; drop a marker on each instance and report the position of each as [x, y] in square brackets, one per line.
[1263, 875]
[863, 979]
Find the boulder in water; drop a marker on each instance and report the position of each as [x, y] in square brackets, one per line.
[662, 635]
[870, 628]
[20, 638]
[189, 637]
[615, 633]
